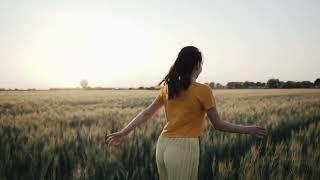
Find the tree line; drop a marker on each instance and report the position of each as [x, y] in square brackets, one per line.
[271, 83]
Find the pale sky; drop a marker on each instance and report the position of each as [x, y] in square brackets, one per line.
[55, 43]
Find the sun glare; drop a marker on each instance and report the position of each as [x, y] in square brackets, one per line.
[68, 47]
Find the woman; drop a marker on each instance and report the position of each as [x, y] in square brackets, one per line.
[186, 103]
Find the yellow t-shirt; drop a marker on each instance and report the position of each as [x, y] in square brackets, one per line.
[185, 114]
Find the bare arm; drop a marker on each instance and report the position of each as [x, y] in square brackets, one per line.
[118, 137]
[214, 118]
[143, 116]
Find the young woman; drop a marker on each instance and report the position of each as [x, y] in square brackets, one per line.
[186, 103]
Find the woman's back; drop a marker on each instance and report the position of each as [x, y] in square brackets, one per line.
[185, 114]
[177, 155]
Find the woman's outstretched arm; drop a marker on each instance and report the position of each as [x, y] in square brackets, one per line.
[118, 137]
[214, 118]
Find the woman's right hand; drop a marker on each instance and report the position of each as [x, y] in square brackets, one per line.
[116, 138]
[256, 131]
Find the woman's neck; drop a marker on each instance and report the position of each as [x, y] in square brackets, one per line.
[193, 77]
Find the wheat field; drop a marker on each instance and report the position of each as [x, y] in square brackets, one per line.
[60, 135]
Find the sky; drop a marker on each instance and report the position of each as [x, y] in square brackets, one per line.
[46, 44]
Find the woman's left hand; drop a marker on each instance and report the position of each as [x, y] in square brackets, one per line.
[116, 138]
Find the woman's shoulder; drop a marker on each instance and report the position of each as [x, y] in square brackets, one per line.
[194, 87]
[201, 86]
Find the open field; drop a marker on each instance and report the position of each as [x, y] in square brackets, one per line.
[60, 135]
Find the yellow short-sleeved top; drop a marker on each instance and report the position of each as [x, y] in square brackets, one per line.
[185, 114]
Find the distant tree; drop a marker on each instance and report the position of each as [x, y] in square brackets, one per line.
[317, 83]
[260, 85]
[211, 84]
[306, 84]
[289, 84]
[248, 84]
[84, 83]
[273, 83]
[298, 84]
[233, 85]
[281, 84]
[219, 86]
[150, 88]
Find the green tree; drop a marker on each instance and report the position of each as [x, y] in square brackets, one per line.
[317, 83]
[273, 83]
[306, 84]
[289, 84]
[219, 86]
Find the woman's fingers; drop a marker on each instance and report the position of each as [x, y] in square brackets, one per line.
[263, 131]
[117, 143]
[107, 140]
[259, 132]
[110, 139]
[114, 139]
[109, 136]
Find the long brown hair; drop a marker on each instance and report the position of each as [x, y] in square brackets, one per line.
[179, 75]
